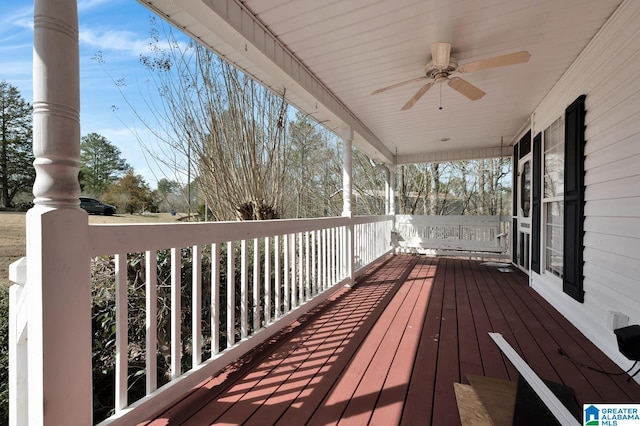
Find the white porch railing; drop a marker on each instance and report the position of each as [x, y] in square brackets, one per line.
[225, 288]
[260, 276]
[372, 237]
[454, 235]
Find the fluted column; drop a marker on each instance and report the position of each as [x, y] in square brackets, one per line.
[58, 285]
[56, 103]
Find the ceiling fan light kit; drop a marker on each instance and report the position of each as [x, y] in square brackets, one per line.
[442, 65]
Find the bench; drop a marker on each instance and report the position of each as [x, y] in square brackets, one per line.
[477, 236]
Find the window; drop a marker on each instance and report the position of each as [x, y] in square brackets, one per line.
[525, 190]
[553, 197]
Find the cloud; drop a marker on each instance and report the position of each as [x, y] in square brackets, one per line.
[84, 5]
[122, 41]
[17, 68]
[18, 18]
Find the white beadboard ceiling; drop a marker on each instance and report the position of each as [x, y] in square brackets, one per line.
[329, 55]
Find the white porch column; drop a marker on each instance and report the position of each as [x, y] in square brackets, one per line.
[392, 189]
[391, 200]
[58, 282]
[347, 172]
[387, 189]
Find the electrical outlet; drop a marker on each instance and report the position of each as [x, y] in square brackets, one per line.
[617, 320]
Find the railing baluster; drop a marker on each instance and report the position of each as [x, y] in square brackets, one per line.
[196, 306]
[364, 250]
[307, 267]
[267, 281]
[314, 263]
[366, 231]
[339, 260]
[256, 285]
[357, 242]
[321, 258]
[337, 251]
[215, 298]
[371, 234]
[341, 246]
[357, 246]
[333, 257]
[348, 247]
[122, 329]
[294, 271]
[176, 313]
[151, 320]
[330, 254]
[327, 266]
[375, 236]
[301, 296]
[276, 253]
[231, 294]
[244, 290]
[325, 259]
[286, 272]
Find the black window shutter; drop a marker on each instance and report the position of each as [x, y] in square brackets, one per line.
[574, 199]
[514, 196]
[536, 203]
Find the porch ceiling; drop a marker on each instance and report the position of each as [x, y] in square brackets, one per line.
[330, 55]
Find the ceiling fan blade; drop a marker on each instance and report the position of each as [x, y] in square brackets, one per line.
[465, 88]
[417, 96]
[496, 61]
[402, 83]
[440, 54]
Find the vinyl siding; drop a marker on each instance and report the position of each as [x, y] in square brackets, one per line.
[608, 72]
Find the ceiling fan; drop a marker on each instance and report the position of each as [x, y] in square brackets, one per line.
[442, 65]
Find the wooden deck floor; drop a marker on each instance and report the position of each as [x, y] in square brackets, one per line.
[389, 350]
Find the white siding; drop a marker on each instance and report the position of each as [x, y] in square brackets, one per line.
[608, 72]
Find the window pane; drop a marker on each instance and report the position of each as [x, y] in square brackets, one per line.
[554, 160]
[525, 189]
[553, 189]
[554, 237]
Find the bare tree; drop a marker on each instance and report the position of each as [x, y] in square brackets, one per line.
[314, 161]
[368, 185]
[465, 187]
[434, 196]
[411, 188]
[216, 125]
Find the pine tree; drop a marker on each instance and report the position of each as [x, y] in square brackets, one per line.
[16, 156]
[101, 164]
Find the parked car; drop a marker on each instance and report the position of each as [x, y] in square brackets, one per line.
[91, 205]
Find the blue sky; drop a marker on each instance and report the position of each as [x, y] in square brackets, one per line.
[119, 29]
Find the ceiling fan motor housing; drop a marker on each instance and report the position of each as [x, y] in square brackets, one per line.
[432, 71]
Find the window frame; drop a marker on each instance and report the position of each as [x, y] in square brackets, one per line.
[557, 197]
